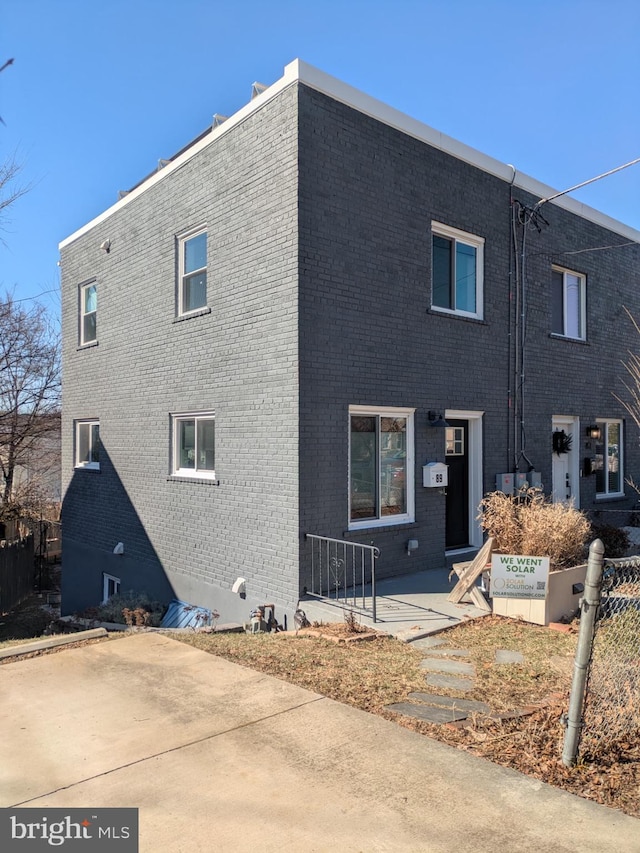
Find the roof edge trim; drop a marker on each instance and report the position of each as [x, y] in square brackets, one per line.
[188, 152]
[302, 72]
[350, 96]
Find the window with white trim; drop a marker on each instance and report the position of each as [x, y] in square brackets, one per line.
[194, 445]
[568, 304]
[608, 462]
[381, 466]
[457, 267]
[88, 445]
[110, 587]
[88, 313]
[192, 272]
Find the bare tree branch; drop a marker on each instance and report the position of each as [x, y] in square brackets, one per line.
[29, 392]
[10, 190]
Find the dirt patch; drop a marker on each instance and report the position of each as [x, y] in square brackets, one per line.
[336, 632]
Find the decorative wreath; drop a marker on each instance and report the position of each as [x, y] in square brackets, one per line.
[561, 442]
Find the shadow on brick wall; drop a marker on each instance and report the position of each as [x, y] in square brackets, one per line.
[99, 520]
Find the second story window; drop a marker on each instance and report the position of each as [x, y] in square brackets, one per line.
[88, 313]
[192, 285]
[457, 271]
[568, 304]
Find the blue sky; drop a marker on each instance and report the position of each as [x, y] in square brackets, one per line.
[99, 91]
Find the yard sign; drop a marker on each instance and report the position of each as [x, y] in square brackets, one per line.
[515, 576]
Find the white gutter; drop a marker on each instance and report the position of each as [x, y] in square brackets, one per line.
[300, 72]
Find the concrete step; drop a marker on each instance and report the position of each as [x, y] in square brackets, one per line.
[452, 667]
[469, 705]
[448, 653]
[427, 713]
[449, 682]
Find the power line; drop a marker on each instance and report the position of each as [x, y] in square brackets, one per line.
[551, 252]
[38, 295]
[584, 183]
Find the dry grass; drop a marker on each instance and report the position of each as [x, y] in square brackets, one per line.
[372, 675]
[367, 675]
[530, 524]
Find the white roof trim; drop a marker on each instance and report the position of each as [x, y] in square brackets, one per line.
[216, 132]
[299, 71]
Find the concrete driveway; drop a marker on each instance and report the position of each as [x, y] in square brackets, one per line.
[219, 757]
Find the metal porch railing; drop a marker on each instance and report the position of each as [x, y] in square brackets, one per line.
[342, 570]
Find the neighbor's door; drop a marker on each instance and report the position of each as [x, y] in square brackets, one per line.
[457, 501]
[563, 473]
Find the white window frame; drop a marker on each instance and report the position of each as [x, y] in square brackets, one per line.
[106, 581]
[604, 424]
[582, 308]
[83, 288]
[183, 239]
[91, 465]
[409, 515]
[194, 473]
[438, 229]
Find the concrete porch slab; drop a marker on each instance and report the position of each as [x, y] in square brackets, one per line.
[409, 607]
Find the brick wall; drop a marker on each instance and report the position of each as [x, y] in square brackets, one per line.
[319, 269]
[368, 196]
[239, 360]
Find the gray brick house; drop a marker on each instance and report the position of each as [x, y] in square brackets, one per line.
[260, 336]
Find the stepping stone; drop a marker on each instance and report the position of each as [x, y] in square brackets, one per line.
[468, 705]
[427, 712]
[454, 667]
[426, 643]
[449, 682]
[505, 656]
[449, 653]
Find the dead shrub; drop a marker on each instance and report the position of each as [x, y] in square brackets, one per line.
[352, 626]
[531, 525]
[139, 617]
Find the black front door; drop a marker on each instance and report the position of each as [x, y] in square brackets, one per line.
[457, 458]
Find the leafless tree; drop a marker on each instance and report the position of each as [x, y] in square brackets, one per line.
[10, 189]
[29, 396]
[631, 400]
[6, 65]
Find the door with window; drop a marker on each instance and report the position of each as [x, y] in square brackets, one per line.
[564, 465]
[457, 500]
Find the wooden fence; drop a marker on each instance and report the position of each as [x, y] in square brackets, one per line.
[16, 572]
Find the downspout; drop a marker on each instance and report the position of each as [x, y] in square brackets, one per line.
[510, 323]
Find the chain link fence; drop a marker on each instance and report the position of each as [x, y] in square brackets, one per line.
[604, 708]
[612, 706]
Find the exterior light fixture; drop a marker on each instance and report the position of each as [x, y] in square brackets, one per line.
[436, 420]
[593, 432]
[106, 246]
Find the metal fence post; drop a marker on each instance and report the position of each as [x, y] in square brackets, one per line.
[588, 611]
